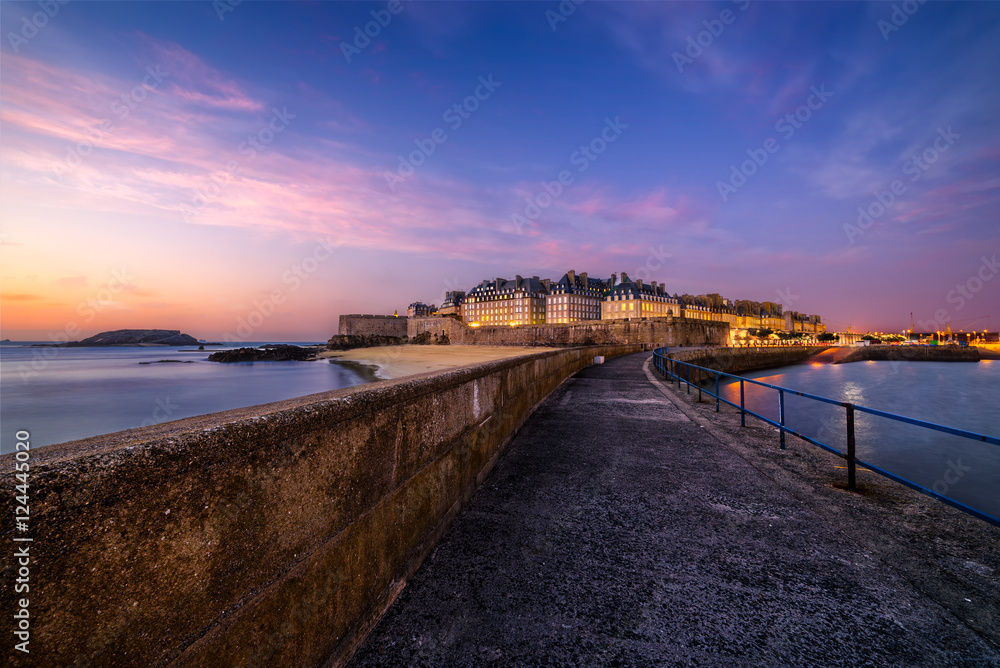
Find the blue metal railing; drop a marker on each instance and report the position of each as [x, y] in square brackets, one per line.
[674, 370]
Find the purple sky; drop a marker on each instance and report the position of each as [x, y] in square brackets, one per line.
[170, 165]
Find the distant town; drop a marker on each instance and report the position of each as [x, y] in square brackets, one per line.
[578, 298]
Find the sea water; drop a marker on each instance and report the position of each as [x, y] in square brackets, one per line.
[955, 394]
[63, 394]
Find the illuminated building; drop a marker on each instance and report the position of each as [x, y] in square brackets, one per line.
[633, 299]
[452, 304]
[575, 298]
[420, 310]
[503, 302]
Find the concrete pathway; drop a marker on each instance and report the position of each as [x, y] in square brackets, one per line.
[616, 531]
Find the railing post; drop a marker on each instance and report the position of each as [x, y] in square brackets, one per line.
[688, 367]
[851, 482]
[716, 391]
[781, 416]
[743, 410]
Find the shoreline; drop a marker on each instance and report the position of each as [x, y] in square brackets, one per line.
[368, 372]
[390, 362]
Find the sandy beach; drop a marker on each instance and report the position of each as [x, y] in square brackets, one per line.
[398, 361]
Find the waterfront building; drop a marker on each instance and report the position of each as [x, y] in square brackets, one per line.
[634, 299]
[420, 310]
[504, 302]
[696, 311]
[800, 322]
[452, 304]
[772, 319]
[575, 298]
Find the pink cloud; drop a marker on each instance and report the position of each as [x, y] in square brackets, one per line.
[195, 81]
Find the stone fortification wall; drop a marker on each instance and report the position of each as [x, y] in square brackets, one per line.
[355, 324]
[741, 360]
[651, 333]
[885, 353]
[274, 535]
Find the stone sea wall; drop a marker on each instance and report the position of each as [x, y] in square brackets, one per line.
[741, 360]
[651, 333]
[912, 354]
[372, 325]
[275, 535]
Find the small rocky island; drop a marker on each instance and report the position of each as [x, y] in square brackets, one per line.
[133, 337]
[269, 353]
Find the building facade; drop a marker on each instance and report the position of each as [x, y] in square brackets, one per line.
[420, 310]
[452, 304]
[504, 302]
[575, 298]
[634, 299]
[800, 322]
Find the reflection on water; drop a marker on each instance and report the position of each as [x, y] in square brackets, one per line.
[62, 394]
[961, 395]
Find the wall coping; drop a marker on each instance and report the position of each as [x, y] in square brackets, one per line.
[347, 403]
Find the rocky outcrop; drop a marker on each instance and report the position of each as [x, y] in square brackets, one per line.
[138, 337]
[268, 353]
[425, 338]
[348, 341]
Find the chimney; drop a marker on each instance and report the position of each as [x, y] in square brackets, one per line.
[583, 279]
[639, 283]
[624, 277]
[546, 283]
[517, 281]
[614, 279]
[653, 284]
[571, 275]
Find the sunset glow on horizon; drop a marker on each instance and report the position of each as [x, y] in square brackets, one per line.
[163, 165]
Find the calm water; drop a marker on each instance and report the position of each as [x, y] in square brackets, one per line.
[62, 394]
[965, 396]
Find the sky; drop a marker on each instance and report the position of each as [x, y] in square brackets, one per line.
[251, 171]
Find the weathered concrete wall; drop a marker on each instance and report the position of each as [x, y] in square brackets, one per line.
[741, 360]
[652, 333]
[272, 535]
[372, 325]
